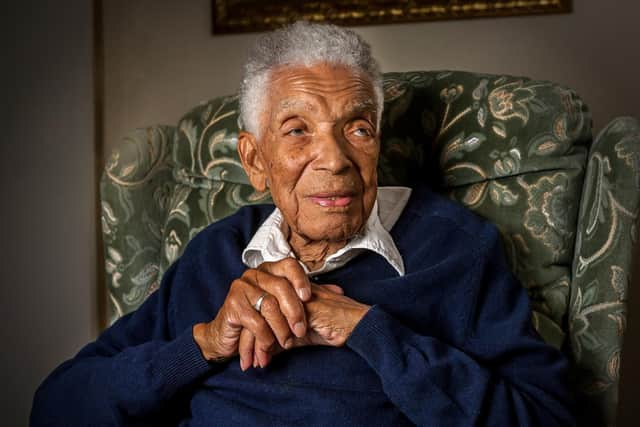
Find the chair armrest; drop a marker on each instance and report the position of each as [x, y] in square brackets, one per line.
[607, 231]
[135, 189]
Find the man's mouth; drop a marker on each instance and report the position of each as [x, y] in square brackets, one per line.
[330, 200]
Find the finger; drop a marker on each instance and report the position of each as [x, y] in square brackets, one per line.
[262, 353]
[242, 313]
[245, 349]
[244, 294]
[287, 303]
[271, 311]
[259, 327]
[327, 289]
[290, 269]
[333, 288]
[265, 340]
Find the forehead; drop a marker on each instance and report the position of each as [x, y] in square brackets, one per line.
[319, 87]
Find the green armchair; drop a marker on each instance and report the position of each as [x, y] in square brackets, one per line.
[518, 152]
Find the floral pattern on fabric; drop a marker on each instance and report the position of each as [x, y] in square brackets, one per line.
[136, 186]
[488, 142]
[605, 235]
[512, 149]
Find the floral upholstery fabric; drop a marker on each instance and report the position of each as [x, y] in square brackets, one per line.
[136, 186]
[210, 180]
[512, 149]
[602, 265]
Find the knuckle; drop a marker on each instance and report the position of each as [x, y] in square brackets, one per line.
[281, 285]
[228, 318]
[233, 302]
[269, 305]
[248, 273]
[265, 266]
[236, 284]
[295, 313]
[255, 323]
[289, 263]
[267, 344]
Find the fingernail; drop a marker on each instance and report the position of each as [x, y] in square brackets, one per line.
[299, 329]
[243, 365]
[304, 293]
[288, 343]
[255, 361]
[263, 360]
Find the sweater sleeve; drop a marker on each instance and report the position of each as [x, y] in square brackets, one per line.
[134, 373]
[503, 374]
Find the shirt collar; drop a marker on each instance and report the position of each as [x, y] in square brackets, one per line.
[269, 243]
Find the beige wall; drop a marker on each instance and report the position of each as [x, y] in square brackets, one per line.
[161, 58]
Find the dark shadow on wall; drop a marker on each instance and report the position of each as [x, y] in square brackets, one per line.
[47, 219]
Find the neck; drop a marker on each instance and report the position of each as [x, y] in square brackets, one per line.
[313, 252]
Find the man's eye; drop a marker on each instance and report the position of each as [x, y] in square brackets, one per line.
[296, 132]
[362, 132]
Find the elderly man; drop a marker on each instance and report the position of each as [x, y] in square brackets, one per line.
[346, 304]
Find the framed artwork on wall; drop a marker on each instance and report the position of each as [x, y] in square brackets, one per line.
[238, 16]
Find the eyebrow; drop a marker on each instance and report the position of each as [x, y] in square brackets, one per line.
[361, 106]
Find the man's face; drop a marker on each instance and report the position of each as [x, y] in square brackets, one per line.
[318, 150]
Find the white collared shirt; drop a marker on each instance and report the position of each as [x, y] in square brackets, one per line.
[269, 243]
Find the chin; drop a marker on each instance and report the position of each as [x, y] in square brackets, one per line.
[332, 231]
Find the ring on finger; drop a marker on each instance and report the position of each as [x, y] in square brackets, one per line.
[258, 304]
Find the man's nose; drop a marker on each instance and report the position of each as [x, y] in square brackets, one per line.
[331, 154]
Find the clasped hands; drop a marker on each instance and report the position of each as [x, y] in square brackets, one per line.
[294, 312]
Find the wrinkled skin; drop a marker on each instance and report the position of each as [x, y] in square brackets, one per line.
[317, 153]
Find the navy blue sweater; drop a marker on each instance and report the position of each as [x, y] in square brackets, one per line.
[449, 344]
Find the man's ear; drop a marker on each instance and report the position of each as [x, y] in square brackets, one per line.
[252, 161]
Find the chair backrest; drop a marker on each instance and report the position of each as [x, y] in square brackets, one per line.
[512, 149]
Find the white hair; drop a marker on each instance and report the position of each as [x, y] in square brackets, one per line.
[303, 44]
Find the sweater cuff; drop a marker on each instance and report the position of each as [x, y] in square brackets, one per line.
[181, 362]
[377, 339]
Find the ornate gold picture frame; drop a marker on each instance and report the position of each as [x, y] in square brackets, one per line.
[237, 16]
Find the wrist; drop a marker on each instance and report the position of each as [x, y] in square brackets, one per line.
[201, 335]
[358, 315]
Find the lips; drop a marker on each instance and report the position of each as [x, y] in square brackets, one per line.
[331, 200]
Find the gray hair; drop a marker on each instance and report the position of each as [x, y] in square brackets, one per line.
[305, 44]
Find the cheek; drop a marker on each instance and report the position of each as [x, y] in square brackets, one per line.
[286, 168]
[368, 165]
[285, 172]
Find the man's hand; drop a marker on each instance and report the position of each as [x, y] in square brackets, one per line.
[332, 317]
[281, 319]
